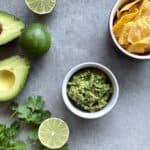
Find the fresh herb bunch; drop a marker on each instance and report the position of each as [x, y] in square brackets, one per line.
[32, 113]
[8, 135]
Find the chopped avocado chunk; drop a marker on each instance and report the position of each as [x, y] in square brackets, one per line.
[13, 74]
[90, 90]
[10, 27]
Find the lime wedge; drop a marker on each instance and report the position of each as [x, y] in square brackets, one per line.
[41, 6]
[53, 133]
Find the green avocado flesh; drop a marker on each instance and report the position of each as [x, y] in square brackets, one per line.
[90, 90]
[13, 75]
[10, 27]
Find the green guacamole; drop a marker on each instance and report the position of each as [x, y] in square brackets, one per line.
[90, 90]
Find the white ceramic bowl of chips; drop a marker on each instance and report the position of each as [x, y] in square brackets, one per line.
[116, 7]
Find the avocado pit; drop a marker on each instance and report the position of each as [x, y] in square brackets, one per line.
[7, 80]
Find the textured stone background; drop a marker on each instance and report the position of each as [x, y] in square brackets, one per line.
[80, 33]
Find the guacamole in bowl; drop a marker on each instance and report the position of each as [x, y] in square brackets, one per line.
[90, 89]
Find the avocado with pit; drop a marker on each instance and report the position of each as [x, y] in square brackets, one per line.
[10, 27]
[13, 75]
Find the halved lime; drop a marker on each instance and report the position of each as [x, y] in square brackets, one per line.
[53, 133]
[41, 6]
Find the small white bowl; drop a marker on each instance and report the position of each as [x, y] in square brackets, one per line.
[107, 108]
[118, 4]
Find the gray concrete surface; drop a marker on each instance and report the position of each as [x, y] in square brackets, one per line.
[80, 33]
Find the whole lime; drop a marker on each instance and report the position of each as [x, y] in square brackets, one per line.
[35, 40]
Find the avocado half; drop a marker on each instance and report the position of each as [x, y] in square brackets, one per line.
[13, 75]
[10, 27]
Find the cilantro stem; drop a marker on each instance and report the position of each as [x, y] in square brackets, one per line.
[9, 118]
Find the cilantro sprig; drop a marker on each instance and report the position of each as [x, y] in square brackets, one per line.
[32, 113]
[8, 135]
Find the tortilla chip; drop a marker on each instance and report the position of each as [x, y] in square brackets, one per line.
[128, 7]
[132, 26]
[141, 46]
[122, 21]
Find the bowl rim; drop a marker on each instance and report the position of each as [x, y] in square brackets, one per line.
[111, 21]
[107, 108]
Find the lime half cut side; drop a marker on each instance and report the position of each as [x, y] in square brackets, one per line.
[53, 133]
[41, 6]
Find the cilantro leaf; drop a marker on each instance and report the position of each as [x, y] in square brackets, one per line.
[13, 130]
[35, 118]
[18, 145]
[33, 135]
[22, 112]
[45, 114]
[9, 133]
[32, 111]
[7, 137]
[38, 117]
[35, 103]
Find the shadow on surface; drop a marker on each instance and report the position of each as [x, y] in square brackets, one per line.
[10, 49]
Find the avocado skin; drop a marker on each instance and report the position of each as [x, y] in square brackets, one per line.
[11, 27]
[20, 67]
